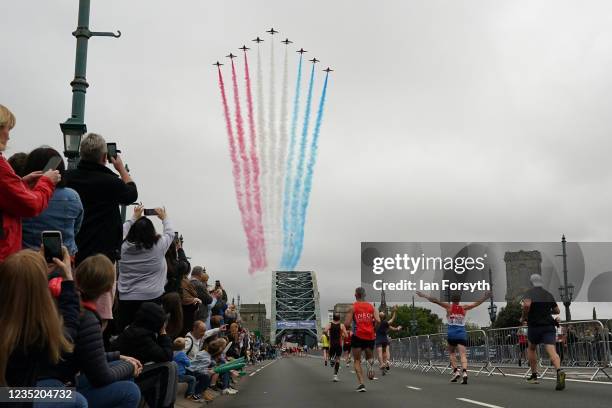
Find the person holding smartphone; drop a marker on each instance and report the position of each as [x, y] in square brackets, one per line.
[102, 191]
[65, 210]
[142, 265]
[19, 197]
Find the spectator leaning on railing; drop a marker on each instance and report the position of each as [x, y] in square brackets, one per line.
[19, 197]
[65, 211]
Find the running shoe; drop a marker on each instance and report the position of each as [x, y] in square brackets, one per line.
[464, 379]
[456, 377]
[229, 391]
[194, 398]
[533, 379]
[560, 381]
[361, 388]
[336, 378]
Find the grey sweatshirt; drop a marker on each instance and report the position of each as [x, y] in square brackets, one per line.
[142, 272]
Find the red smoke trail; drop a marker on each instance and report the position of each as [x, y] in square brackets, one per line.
[261, 244]
[236, 170]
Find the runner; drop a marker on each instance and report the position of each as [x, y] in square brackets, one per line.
[325, 347]
[336, 332]
[364, 317]
[382, 339]
[346, 348]
[538, 307]
[457, 336]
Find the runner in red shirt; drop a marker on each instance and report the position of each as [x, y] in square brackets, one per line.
[364, 319]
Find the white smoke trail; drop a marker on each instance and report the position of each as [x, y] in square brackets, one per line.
[262, 148]
[282, 149]
[272, 153]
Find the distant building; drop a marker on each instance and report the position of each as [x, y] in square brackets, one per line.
[341, 309]
[253, 317]
[520, 266]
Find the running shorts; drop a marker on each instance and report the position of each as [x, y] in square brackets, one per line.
[347, 347]
[325, 348]
[357, 342]
[455, 342]
[542, 334]
[335, 351]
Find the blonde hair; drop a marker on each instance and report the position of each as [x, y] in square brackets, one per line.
[95, 276]
[28, 315]
[6, 117]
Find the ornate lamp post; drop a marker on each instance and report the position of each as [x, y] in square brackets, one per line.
[414, 324]
[567, 290]
[492, 307]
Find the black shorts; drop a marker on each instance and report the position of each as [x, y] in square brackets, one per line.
[542, 334]
[347, 347]
[455, 342]
[335, 351]
[325, 348]
[359, 343]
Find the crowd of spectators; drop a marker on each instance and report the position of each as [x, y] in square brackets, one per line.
[121, 315]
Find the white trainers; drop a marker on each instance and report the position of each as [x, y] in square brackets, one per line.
[229, 391]
[336, 378]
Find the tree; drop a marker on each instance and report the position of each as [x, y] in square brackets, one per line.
[509, 315]
[428, 322]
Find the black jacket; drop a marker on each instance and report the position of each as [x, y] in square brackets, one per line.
[91, 359]
[25, 368]
[177, 268]
[101, 192]
[141, 339]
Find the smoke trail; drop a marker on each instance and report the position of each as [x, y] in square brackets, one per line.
[309, 173]
[263, 145]
[235, 164]
[260, 240]
[283, 140]
[287, 241]
[272, 143]
[246, 173]
[295, 195]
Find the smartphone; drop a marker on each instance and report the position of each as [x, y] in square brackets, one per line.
[150, 211]
[111, 149]
[176, 236]
[52, 244]
[52, 163]
[217, 284]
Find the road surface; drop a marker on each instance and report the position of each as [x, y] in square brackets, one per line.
[306, 382]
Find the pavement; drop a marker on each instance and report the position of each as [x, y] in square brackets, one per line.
[306, 382]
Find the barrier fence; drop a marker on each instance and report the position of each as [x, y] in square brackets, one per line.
[582, 346]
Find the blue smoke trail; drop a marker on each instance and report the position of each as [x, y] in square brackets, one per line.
[297, 186]
[289, 170]
[309, 172]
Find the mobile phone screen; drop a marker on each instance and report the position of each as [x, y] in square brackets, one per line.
[52, 243]
[52, 163]
[111, 150]
[150, 211]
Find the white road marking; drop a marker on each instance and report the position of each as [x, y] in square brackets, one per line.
[261, 368]
[414, 388]
[484, 404]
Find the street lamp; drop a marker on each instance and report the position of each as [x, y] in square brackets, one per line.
[567, 290]
[413, 323]
[74, 128]
[73, 132]
[492, 307]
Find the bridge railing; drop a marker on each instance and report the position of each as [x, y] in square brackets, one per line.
[582, 346]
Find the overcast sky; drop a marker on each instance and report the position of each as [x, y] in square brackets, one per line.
[446, 120]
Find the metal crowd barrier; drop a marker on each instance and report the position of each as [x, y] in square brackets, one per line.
[581, 345]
